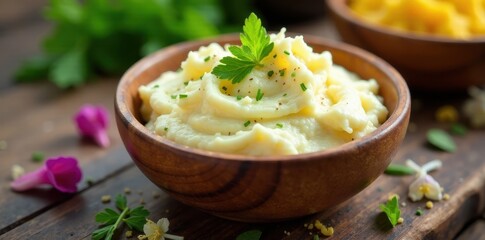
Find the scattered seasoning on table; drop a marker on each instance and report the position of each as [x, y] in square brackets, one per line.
[446, 196]
[89, 181]
[127, 190]
[129, 234]
[400, 220]
[155, 195]
[142, 201]
[37, 157]
[403, 204]
[419, 212]
[429, 204]
[106, 198]
[17, 171]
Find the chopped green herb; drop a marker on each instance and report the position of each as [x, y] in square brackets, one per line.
[391, 209]
[286, 94]
[316, 237]
[183, 95]
[174, 96]
[165, 129]
[399, 170]
[419, 212]
[247, 123]
[293, 74]
[279, 125]
[282, 72]
[110, 219]
[458, 129]
[37, 157]
[207, 58]
[186, 83]
[256, 45]
[441, 140]
[270, 73]
[286, 52]
[250, 235]
[156, 86]
[259, 95]
[303, 87]
[238, 97]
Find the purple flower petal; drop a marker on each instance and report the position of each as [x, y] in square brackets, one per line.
[62, 172]
[92, 122]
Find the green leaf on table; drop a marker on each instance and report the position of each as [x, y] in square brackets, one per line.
[108, 216]
[391, 209]
[441, 140]
[250, 235]
[34, 68]
[458, 129]
[137, 218]
[256, 45]
[106, 37]
[102, 233]
[398, 170]
[110, 219]
[70, 70]
[120, 202]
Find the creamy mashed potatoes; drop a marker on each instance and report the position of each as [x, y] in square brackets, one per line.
[451, 18]
[297, 102]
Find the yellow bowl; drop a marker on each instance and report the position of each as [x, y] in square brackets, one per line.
[427, 62]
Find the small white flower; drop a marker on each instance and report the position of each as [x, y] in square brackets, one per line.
[158, 231]
[474, 108]
[424, 185]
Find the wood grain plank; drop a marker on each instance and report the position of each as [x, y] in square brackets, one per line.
[16, 46]
[475, 232]
[39, 118]
[463, 176]
[13, 14]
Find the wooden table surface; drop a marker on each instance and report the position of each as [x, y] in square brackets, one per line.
[38, 117]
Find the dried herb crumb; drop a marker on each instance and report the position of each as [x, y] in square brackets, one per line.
[270, 73]
[286, 52]
[419, 212]
[303, 87]
[183, 96]
[247, 123]
[279, 125]
[238, 97]
[207, 58]
[259, 95]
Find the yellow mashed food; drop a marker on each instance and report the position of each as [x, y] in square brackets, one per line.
[451, 18]
[297, 102]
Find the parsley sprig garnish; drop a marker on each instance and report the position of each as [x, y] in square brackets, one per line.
[256, 45]
[391, 209]
[110, 219]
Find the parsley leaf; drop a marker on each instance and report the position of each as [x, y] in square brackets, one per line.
[111, 219]
[256, 45]
[99, 37]
[398, 170]
[391, 209]
[250, 235]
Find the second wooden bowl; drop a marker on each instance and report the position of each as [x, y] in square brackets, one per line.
[427, 62]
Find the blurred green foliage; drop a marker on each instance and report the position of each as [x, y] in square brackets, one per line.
[94, 37]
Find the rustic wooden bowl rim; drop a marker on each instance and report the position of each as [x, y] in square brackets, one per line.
[340, 7]
[394, 119]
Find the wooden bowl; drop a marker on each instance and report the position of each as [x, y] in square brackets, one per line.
[427, 62]
[273, 188]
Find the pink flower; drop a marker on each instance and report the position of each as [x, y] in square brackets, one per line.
[92, 122]
[62, 172]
